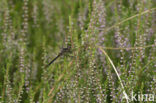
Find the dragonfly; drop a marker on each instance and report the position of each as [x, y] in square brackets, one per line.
[62, 52]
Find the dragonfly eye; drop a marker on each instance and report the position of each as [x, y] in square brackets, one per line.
[65, 50]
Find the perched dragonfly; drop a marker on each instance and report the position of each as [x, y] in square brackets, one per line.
[63, 51]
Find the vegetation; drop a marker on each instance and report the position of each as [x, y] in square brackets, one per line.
[107, 51]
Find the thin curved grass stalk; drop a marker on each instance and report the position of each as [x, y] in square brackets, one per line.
[124, 92]
[147, 65]
[129, 48]
[117, 24]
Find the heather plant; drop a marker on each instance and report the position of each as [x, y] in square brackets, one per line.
[77, 51]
